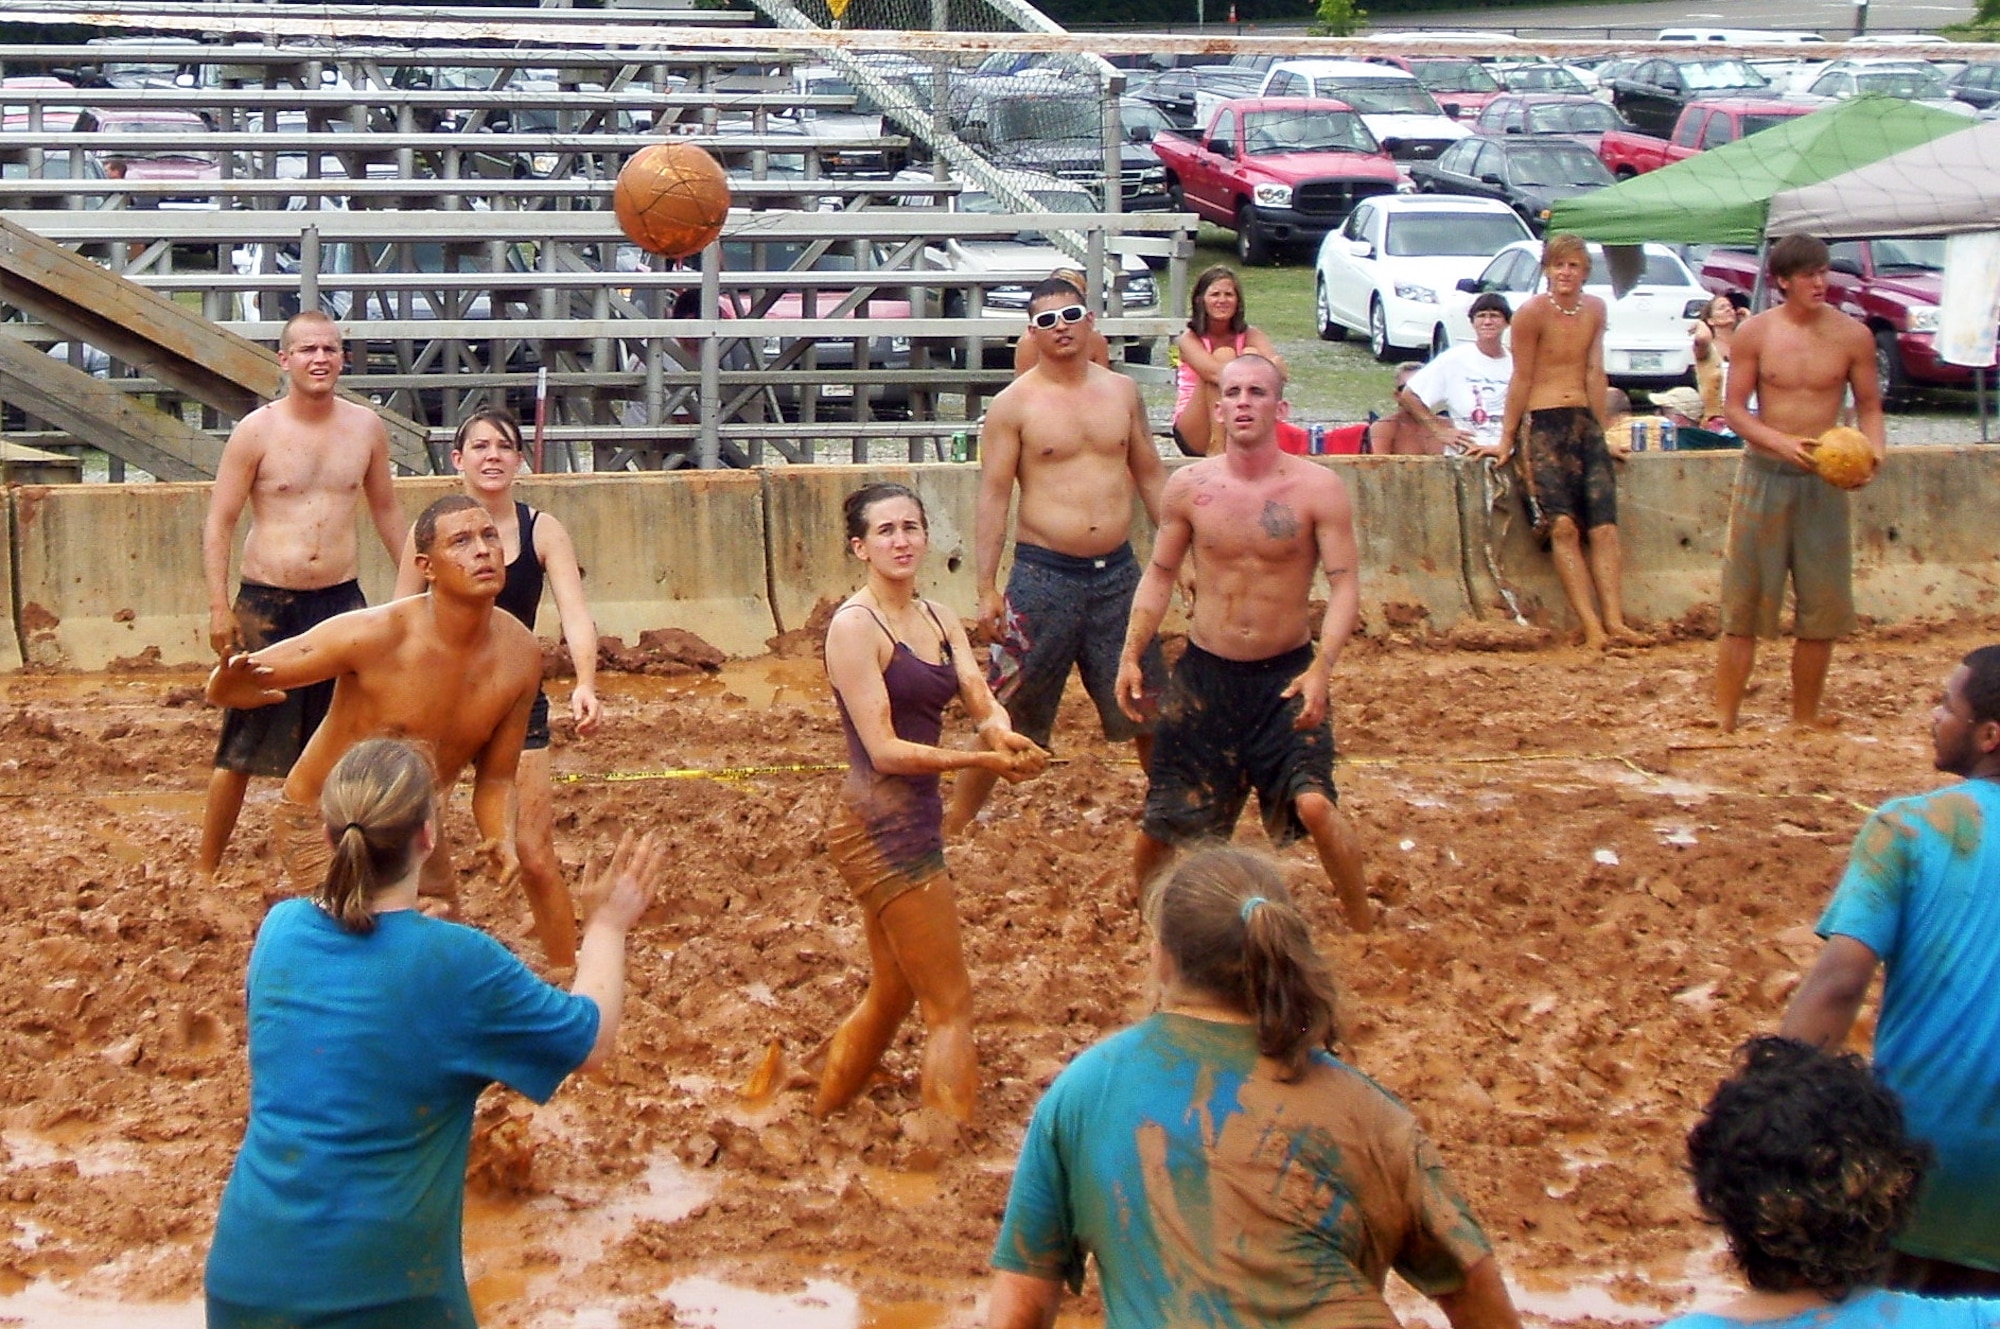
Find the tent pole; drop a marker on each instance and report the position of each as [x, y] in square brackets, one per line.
[1979, 391]
[1758, 293]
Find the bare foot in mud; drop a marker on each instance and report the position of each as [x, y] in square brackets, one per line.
[1626, 635]
[1825, 722]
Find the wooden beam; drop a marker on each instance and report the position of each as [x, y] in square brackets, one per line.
[92, 409]
[90, 304]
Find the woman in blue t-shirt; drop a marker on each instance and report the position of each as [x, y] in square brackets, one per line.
[1803, 1160]
[373, 1031]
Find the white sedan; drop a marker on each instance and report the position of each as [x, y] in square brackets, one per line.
[1396, 261]
[1647, 339]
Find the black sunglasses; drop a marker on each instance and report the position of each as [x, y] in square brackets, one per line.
[1048, 318]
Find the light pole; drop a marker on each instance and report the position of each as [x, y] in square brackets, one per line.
[1860, 17]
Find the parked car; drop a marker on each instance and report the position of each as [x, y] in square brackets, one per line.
[1176, 92]
[1892, 285]
[193, 164]
[1540, 78]
[821, 401]
[1912, 80]
[1461, 86]
[1976, 85]
[1580, 119]
[1527, 174]
[839, 128]
[1280, 171]
[1702, 125]
[1654, 93]
[1646, 334]
[1404, 118]
[1389, 268]
[1015, 264]
[1058, 128]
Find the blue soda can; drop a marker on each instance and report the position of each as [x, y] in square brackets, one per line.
[1318, 441]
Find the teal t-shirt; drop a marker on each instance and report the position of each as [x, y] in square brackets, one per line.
[1922, 891]
[367, 1054]
[1872, 1308]
[1210, 1192]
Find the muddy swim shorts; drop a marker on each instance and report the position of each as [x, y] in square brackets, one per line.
[268, 739]
[1783, 520]
[869, 874]
[1224, 730]
[1566, 471]
[1063, 611]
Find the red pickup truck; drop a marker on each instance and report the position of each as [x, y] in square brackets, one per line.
[1281, 172]
[1703, 124]
[1893, 286]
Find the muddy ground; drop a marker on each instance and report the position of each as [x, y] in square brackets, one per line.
[1592, 897]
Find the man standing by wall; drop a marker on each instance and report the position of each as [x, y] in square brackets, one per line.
[302, 463]
[1921, 895]
[1073, 435]
[1552, 415]
[1800, 359]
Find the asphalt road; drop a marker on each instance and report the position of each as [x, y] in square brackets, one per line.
[1831, 18]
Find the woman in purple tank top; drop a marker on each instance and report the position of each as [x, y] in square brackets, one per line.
[896, 661]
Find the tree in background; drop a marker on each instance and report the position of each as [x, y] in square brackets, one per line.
[1340, 18]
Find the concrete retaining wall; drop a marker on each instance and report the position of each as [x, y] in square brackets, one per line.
[102, 572]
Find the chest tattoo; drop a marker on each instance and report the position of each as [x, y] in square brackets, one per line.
[1279, 521]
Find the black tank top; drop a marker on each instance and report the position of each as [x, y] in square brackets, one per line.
[522, 595]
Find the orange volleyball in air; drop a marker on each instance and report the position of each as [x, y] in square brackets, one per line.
[672, 199]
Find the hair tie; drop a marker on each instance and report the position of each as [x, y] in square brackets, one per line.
[1250, 906]
[354, 826]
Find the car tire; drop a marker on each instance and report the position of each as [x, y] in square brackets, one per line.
[1323, 314]
[1624, 173]
[1378, 332]
[1176, 197]
[1253, 247]
[1439, 342]
[1139, 352]
[1889, 368]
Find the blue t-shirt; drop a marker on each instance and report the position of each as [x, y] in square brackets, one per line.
[367, 1054]
[1922, 891]
[1210, 1192]
[1872, 1308]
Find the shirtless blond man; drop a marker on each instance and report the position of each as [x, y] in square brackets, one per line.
[442, 668]
[1073, 435]
[1248, 705]
[1801, 359]
[302, 464]
[1553, 407]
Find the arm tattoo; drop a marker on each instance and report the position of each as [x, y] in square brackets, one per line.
[1279, 521]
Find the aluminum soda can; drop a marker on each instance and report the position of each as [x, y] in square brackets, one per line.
[1317, 445]
[961, 446]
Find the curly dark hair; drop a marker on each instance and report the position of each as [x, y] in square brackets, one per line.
[1803, 1160]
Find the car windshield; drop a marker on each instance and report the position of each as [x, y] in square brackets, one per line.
[1906, 83]
[1706, 75]
[1544, 78]
[1379, 97]
[1451, 233]
[1453, 76]
[1048, 200]
[1029, 119]
[1556, 165]
[839, 87]
[1921, 255]
[1591, 117]
[1278, 132]
[111, 124]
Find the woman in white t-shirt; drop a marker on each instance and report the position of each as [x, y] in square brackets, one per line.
[1469, 382]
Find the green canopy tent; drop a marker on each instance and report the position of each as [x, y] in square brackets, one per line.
[1723, 196]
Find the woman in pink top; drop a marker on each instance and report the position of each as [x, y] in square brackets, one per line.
[1217, 332]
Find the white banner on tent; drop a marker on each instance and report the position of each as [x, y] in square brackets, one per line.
[1969, 313]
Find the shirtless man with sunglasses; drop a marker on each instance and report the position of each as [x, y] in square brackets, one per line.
[1074, 436]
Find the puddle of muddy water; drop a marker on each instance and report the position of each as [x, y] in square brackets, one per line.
[42, 1305]
[759, 684]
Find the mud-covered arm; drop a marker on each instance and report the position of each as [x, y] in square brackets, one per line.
[559, 564]
[1022, 1301]
[1824, 1008]
[999, 464]
[1482, 1303]
[234, 477]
